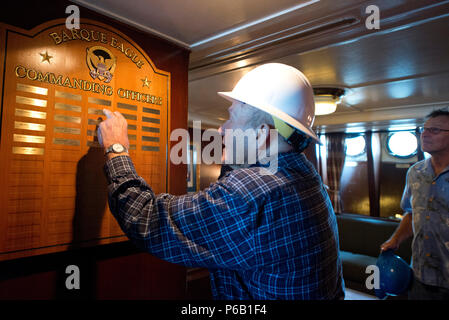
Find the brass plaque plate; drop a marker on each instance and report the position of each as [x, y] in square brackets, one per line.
[67, 95]
[149, 110]
[150, 148]
[28, 150]
[29, 126]
[129, 116]
[152, 120]
[91, 133]
[99, 101]
[93, 122]
[151, 139]
[30, 114]
[67, 142]
[31, 89]
[28, 138]
[95, 111]
[67, 130]
[31, 101]
[67, 107]
[149, 129]
[60, 117]
[127, 106]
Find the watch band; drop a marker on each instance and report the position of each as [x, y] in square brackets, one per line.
[110, 149]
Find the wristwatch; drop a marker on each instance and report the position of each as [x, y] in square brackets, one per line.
[116, 148]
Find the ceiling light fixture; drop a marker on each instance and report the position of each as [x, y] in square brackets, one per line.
[253, 23]
[326, 100]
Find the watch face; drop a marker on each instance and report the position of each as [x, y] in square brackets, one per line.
[118, 148]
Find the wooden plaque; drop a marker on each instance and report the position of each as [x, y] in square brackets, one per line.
[55, 83]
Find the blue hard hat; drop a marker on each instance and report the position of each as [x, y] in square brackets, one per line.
[395, 275]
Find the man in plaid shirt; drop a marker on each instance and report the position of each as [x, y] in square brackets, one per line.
[262, 236]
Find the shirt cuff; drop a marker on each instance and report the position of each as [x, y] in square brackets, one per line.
[119, 167]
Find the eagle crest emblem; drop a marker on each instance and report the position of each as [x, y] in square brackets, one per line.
[101, 63]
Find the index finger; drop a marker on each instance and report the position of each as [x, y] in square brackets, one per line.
[108, 113]
[118, 114]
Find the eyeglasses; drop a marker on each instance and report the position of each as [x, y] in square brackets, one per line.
[431, 130]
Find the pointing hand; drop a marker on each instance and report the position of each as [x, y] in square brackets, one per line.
[113, 130]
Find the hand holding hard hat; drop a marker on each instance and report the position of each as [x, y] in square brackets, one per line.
[395, 275]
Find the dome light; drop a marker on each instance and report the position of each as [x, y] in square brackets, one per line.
[326, 100]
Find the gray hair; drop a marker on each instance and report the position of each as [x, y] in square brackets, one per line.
[258, 117]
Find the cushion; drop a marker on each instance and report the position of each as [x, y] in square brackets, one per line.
[354, 266]
[364, 235]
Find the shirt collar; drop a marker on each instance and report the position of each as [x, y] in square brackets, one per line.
[290, 159]
[427, 168]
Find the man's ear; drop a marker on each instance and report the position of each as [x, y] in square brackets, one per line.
[263, 135]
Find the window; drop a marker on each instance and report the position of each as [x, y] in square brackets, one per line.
[355, 146]
[354, 186]
[402, 144]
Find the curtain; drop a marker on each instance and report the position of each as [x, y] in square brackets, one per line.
[336, 153]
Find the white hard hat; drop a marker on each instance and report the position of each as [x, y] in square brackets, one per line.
[280, 90]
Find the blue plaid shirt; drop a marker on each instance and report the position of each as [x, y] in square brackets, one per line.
[261, 236]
